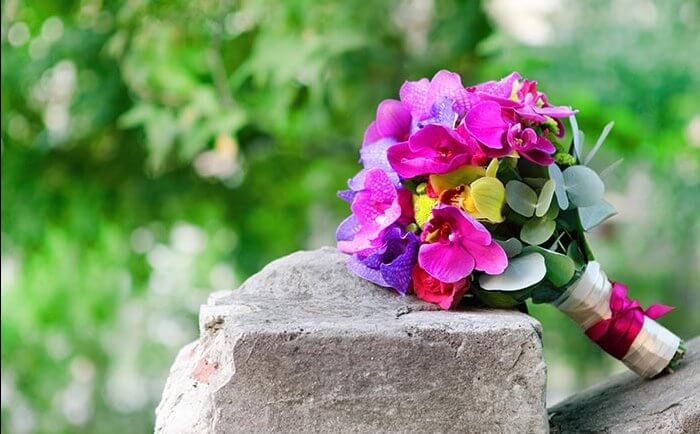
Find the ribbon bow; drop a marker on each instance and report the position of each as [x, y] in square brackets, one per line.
[616, 334]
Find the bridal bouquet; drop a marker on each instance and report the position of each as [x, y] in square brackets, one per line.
[480, 190]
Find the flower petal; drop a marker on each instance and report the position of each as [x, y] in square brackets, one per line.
[485, 122]
[446, 262]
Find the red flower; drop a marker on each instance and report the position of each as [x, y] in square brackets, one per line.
[432, 290]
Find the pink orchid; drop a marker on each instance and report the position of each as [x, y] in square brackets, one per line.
[393, 121]
[531, 146]
[485, 122]
[421, 95]
[375, 208]
[528, 103]
[433, 149]
[456, 244]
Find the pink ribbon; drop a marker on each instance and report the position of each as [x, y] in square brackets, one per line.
[616, 334]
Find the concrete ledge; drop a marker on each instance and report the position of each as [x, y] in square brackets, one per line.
[304, 346]
[629, 404]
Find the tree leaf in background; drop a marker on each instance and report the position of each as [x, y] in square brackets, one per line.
[583, 186]
[512, 246]
[521, 198]
[537, 230]
[592, 216]
[523, 271]
[557, 176]
[560, 268]
[545, 198]
[599, 143]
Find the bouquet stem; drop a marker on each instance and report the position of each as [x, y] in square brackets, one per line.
[621, 326]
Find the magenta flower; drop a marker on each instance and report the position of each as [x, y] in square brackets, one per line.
[433, 149]
[376, 207]
[529, 103]
[485, 122]
[393, 121]
[421, 95]
[531, 146]
[456, 244]
[498, 89]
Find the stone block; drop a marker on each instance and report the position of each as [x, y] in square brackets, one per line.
[305, 346]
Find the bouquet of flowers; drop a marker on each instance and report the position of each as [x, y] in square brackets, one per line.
[480, 191]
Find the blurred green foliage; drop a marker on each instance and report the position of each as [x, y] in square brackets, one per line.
[155, 151]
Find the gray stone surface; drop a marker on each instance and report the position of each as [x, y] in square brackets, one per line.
[629, 404]
[304, 346]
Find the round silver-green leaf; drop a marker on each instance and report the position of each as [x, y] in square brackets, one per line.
[545, 198]
[537, 231]
[521, 198]
[583, 186]
[559, 187]
[521, 272]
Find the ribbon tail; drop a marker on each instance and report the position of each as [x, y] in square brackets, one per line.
[658, 310]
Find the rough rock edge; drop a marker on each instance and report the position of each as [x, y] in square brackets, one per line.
[629, 404]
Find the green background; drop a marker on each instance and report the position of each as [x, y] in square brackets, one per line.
[153, 152]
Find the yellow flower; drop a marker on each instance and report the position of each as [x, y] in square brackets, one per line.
[475, 189]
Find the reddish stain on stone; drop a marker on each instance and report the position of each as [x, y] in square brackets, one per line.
[204, 370]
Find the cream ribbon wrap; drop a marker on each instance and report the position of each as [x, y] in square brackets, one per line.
[587, 301]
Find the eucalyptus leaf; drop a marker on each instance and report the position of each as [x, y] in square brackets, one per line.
[583, 186]
[560, 268]
[512, 246]
[576, 137]
[605, 173]
[538, 230]
[599, 143]
[557, 176]
[521, 198]
[573, 251]
[553, 211]
[545, 198]
[592, 216]
[521, 272]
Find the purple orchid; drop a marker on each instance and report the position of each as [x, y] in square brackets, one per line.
[531, 146]
[455, 244]
[375, 207]
[433, 149]
[391, 264]
[423, 94]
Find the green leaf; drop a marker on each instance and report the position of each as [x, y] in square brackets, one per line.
[573, 251]
[599, 143]
[538, 230]
[545, 292]
[521, 198]
[521, 272]
[576, 137]
[512, 246]
[545, 198]
[560, 268]
[559, 186]
[583, 186]
[592, 216]
[497, 299]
